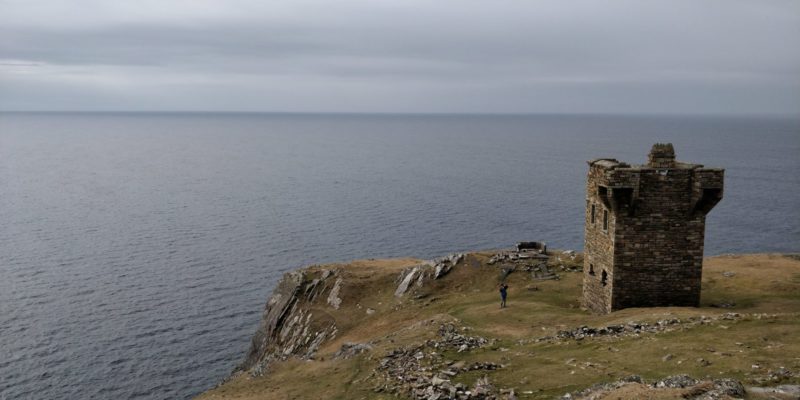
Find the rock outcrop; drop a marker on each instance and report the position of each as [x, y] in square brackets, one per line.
[422, 372]
[434, 269]
[298, 320]
[633, 328]
[292, 324]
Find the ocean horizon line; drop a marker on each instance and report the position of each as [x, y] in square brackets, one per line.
[401, 114]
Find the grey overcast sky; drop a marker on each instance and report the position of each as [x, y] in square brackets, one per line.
[509, 56]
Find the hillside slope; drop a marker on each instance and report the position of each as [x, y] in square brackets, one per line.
[405, 328]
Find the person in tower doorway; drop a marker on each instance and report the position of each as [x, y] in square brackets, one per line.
[503, 294]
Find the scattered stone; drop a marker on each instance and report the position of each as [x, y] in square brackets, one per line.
[694, 389]
[779, 375]
[482, 387]
[676, 381]
[728, 274]
[349, 350]
[632, 379]
[667, 357]
[778, 392]
[438, 381]
[542, 272]
[526, 258]
[410, 370]
[703, 362]
[633, 328]
[594, 390]
[730, 387]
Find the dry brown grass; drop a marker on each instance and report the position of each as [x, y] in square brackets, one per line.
[763, 283]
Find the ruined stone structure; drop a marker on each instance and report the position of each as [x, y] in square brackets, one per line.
[645, 227]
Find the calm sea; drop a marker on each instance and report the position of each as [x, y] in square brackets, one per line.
[137, 250]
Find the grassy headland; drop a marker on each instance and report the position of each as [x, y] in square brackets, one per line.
[747, 328]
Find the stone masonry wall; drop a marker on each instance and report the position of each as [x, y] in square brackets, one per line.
[598, 247]
[652, 251]
[660, 252]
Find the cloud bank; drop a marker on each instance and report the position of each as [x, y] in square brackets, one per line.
[515, 56]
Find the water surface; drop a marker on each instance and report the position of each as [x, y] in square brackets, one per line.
[137, 250]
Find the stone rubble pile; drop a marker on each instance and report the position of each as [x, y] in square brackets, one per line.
[777, 392]
[513, 256]
[635, 328]
[569, 266]
[779, 375]
[528, 260]
[422, 373]
[542, 272]
[700, 389]
[450, 337]
[349, 350]
[600, 388]
[676, 381]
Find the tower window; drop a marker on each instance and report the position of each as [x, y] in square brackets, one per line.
[605, 220]
[591, 269]
[604, 278]
[592, 214]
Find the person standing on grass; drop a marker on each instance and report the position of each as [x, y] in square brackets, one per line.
[503, 294]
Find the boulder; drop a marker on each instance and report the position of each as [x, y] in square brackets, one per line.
[405, 281]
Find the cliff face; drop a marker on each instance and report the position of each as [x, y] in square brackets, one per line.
[289, 324]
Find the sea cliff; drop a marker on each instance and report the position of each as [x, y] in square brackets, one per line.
[434, 329]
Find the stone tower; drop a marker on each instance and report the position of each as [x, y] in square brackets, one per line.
[644, 232]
